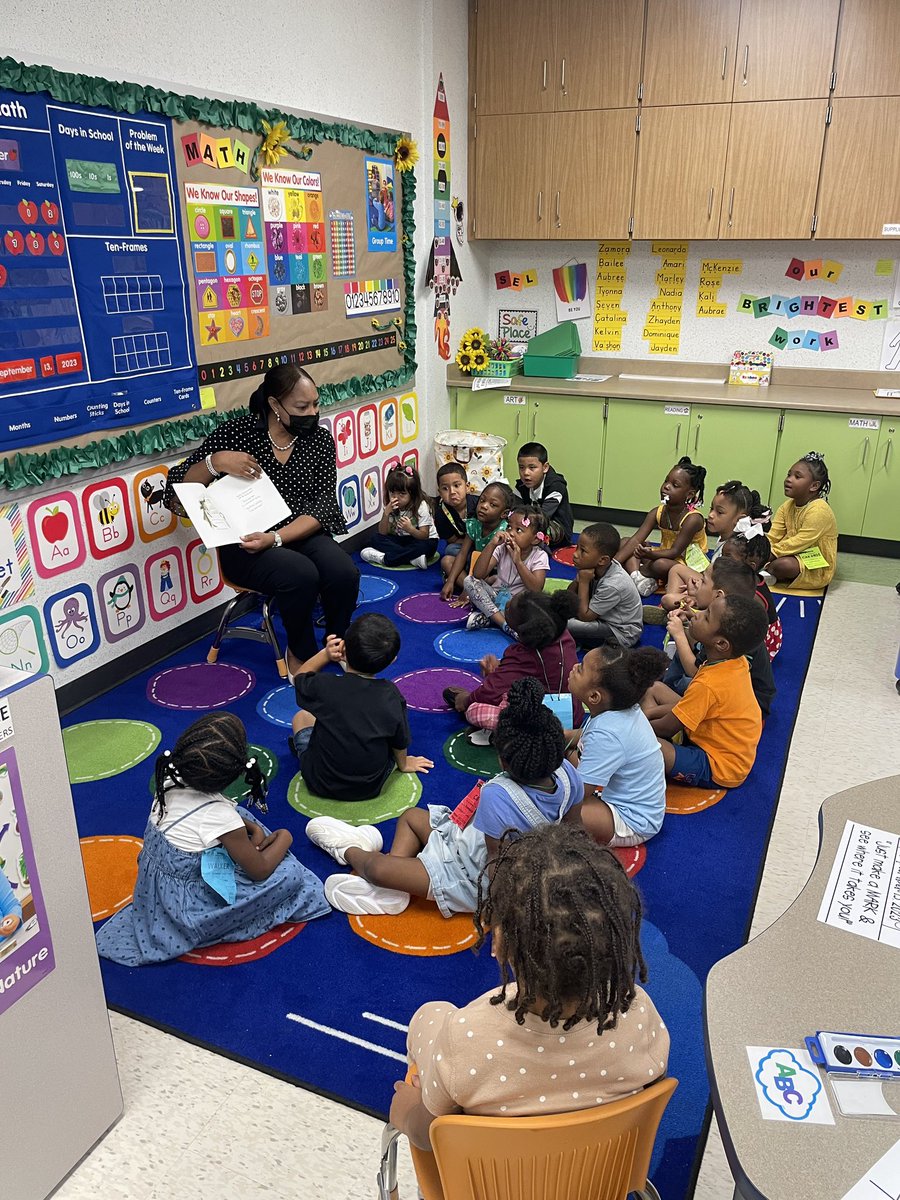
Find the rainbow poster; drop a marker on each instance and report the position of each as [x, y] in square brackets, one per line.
[570, 285]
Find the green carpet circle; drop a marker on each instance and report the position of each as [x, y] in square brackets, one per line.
[402, 791]
[556, 585]
[238, 790]
[405, 566]
[477, 760]
[101, 749]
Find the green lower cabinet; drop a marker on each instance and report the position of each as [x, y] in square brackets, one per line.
[504, 414]
[735, 443]
[849, 443]
[882, 519]
[644, 440]
[572, 428]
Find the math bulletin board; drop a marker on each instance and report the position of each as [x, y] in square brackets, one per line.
[156, 259]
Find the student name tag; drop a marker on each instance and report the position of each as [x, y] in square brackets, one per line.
[695, 558]
[217, 869]
[560, 704]
[812, 558]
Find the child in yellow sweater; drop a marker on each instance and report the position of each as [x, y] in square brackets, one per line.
[804, 532]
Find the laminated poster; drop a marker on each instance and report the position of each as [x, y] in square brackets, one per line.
[26, 951]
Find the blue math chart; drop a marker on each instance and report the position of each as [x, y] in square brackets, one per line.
[94, 315]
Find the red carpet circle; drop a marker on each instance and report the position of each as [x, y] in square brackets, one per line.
[564, 555]
[200, 686]
[233, 954]
[632, 858]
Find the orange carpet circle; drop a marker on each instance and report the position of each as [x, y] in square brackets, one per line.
[420, 930]
[110, 869]
[684, 800]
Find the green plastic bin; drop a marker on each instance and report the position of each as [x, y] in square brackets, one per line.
[554, 353]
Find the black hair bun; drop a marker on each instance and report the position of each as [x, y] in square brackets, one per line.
[526, 698]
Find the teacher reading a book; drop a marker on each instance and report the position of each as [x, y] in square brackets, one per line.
[298, 560]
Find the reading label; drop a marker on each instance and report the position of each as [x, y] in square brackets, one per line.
[677, 410]
[864, 423]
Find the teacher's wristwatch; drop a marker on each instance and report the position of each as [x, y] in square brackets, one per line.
[278, 543]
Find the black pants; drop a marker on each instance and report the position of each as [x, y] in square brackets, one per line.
[397, 550]
[298, 574]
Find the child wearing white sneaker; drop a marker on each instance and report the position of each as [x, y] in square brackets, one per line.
[431, 856]
[518, 555]
[406, 532]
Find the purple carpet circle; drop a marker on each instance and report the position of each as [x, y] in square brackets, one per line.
[422, 690]
[462, 646]
[196, 687]
[279, 705]
[427, 608]
[372, 589]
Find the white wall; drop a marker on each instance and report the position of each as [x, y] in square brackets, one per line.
[713, 339]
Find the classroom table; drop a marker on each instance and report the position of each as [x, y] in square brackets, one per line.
[798, 976]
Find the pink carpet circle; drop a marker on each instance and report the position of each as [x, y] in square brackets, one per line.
[565, 555]
[427, 608]
[196, 687]
[422, 690]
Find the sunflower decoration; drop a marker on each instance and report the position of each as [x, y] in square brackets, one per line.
[479, 360]
[406, 154]
[272, 148]
[464, 360]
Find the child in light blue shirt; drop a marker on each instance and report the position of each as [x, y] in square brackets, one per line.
[621, 764]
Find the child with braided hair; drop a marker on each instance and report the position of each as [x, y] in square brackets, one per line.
[577, 1030]
[804, 532]
[431, 855]
[207, 872]
[682, 529]
[749, 544]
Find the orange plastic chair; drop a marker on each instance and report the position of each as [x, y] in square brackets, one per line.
[241, 603]
[595, 1154]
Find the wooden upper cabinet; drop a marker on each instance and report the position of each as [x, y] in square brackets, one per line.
[868, 49]
[511, 165]
[689, 51]
[785, 52]
[860, 189]
[592, 169]
[772, 171]
[598, 53]
[681, 164]
[515, 57]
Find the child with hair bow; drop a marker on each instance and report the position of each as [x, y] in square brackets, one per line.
[518, 555]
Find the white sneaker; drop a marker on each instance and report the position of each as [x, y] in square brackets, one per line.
[352, 894]
[645, 585]
[477, 620]
[421, 562]
[336, 837]
[372, 556]
[479, 737]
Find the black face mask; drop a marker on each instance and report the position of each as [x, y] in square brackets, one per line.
[303, 426]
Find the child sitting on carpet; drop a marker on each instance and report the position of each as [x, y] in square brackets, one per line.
[749, 544]
[539, 484]
[804, 532]
[682, 529]
[543, 650]
[519, 558]
[609, 604]
[431, 855]
[724, 577]
[620, 762]
[207, 873]
[352, 729]
[577, 1030]
[718, 716]
[453, 508]
[490, 519]
[406, 532]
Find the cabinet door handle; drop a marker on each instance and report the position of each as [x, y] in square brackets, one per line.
[696, 440]
[724, 59]
[544, 77]
[746, 64]
[887, 453]
[518, 421]
[562, 78]
[540, 210]
[534, 417]
[709, 203]
[865, 452]
[677, 436]
[557, 211]
[730, 206]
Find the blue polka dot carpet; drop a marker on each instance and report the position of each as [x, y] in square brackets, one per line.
[325, 1005]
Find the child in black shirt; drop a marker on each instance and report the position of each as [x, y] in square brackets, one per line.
[352, 729]
[539, 484]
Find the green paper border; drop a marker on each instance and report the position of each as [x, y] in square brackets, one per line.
[30, 470]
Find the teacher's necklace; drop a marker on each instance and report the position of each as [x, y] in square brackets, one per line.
[277, 445]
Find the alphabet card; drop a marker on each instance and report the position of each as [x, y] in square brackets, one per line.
[409, 417]
[204, 577]
[389, 432]
[345, 438]
[147, 489]
[367, 430]
[22, 646]
[57, 542]
[348, 494]
[371, 493]
[166, 593]
[71, 622]
[121, 602]
[788, 1086]
[16, 580]
[386, 467]
[107, 516]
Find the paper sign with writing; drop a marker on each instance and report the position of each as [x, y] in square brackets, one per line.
[863, 891]
[813, 558]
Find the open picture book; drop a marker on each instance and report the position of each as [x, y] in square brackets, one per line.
[230, 508]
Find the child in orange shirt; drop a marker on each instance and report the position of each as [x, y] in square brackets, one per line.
[718, 714]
